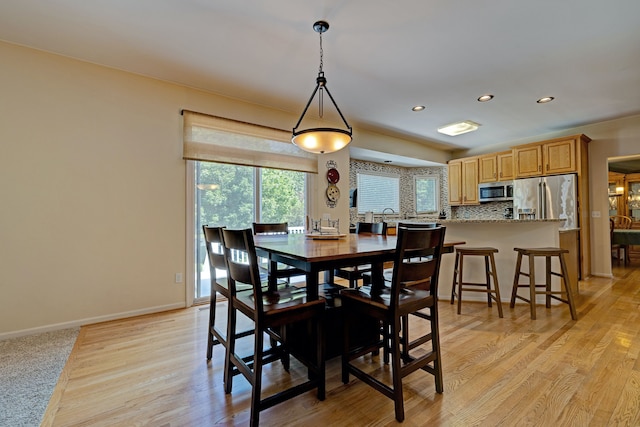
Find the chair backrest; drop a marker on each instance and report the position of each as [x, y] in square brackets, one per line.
[270, 228]
[371, 227]
[418, 224]
[215, 250]
[237, 269]
[417, 260]
[621, 221]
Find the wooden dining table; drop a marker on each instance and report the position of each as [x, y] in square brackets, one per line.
[324, 254]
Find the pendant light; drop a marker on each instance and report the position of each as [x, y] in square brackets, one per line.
[323, 139]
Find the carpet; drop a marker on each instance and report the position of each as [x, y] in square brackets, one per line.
[29, 370]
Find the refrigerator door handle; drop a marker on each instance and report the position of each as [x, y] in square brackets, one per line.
[543, 201]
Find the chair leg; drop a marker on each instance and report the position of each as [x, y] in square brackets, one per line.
[548, 282]
[516, 280]
[460, 285]
[435, 346]
[532, 286]
[320, 356]
[487, 273]
[494, 273]
[257, 380]
[455, 277]
[212, 322]
[345, 347]
[231, 347]
[395, 370]
[567, 288]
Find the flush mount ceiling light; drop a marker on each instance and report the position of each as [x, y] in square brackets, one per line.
[485, 98]
[323, 139]
[418, 108]
[545, 99]
[459, 128]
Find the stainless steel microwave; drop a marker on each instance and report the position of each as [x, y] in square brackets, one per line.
[496, 191]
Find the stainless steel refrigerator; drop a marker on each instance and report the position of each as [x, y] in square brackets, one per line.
[547, 197]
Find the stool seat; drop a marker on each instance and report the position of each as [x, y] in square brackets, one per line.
[548, 253]
[475, 251]
[541, 251]
[490, 272]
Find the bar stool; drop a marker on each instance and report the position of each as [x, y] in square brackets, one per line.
[494, 293]
[548, 253]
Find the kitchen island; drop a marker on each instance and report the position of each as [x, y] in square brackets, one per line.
[504, 235]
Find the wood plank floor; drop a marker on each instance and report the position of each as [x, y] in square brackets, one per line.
[553, 371]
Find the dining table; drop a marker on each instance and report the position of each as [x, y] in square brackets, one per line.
[626, 237]
[324, 253]
[316, 254]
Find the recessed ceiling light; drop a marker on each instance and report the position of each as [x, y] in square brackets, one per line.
[545, 99]
[418, 108]
[485, 98]
[459, 128]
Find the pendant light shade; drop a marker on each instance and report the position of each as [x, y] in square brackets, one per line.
[323, 139]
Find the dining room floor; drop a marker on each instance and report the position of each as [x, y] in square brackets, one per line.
[152, 370]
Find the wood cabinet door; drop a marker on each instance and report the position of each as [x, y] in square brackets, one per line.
[488, 169]
[560, 157]
[505, 166]
[528, 161]
[470, 182]
[455, 183]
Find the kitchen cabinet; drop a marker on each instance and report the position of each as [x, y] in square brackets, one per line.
[552, 157]
[496, 167]
[488, 168]
[505, 166]
[463, 181]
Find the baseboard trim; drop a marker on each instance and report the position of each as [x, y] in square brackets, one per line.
[89, 320]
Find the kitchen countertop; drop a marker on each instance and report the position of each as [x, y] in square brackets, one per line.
[480, 221]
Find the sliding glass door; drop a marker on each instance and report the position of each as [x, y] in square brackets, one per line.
[235, 196]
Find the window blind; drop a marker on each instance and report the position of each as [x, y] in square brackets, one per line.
[377, 192]
[217, 139]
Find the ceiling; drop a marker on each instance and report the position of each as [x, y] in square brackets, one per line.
[380, 58]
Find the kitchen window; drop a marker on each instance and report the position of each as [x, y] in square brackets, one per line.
[377, 192]
[427, 194]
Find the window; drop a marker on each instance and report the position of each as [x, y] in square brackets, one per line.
[427, 194]
[378, 192]
[235, 196]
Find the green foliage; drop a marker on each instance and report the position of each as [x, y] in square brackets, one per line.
[232, 203]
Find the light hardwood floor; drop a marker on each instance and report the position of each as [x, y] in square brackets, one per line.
[553, 371]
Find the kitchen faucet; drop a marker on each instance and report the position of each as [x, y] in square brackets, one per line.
[384, 213]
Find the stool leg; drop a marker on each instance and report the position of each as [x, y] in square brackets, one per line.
[567, 287]
[548, 281]
[460, 284]
[455, 277]
[496, 285]
[532, 286]
[516, 279]
[488, 278]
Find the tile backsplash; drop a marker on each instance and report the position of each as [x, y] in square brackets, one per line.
[492, 210]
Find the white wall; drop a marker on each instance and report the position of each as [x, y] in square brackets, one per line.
[92, 189]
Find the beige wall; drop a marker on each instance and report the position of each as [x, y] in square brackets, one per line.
[92, 186]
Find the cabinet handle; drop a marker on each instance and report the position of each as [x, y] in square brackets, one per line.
[494, 174]
[500, 174]
[547, 166]
[539, 168]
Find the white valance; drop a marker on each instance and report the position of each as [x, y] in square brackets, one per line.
[216, 139]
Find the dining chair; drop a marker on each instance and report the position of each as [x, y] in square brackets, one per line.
[354, 273]
[272, 314]
[413, 291]
[616, 246]
[283, 271]
[219, 285]
[621, 222]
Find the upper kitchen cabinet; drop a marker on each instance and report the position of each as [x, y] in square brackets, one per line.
[556, 156]
[463, 181]
[496, 167]
[505, 166]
